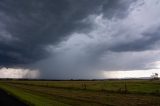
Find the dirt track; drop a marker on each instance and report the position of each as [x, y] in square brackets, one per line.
[8, 100]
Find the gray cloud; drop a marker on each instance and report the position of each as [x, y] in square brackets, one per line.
[27, 27]
[69, 38]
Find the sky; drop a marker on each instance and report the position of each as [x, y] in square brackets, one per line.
[79, 39]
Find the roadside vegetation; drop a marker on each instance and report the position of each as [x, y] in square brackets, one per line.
[85, 93]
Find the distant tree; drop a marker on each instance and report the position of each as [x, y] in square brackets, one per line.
[154, 76]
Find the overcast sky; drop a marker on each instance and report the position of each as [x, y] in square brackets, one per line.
[62, 39]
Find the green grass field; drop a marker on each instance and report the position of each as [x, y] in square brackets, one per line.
[85, 93]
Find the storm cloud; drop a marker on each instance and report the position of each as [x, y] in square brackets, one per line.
[79, 38]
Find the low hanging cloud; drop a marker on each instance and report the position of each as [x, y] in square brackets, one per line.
[18, 73]
[134, 73]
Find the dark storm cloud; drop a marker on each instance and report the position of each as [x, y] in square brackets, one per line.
[78, 38]
[28, 26]
[116, 8]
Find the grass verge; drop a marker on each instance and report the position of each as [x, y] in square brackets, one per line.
[30, 99]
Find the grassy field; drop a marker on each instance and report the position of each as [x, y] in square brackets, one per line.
[85, 93]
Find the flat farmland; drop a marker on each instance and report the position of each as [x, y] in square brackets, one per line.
[85, 93]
